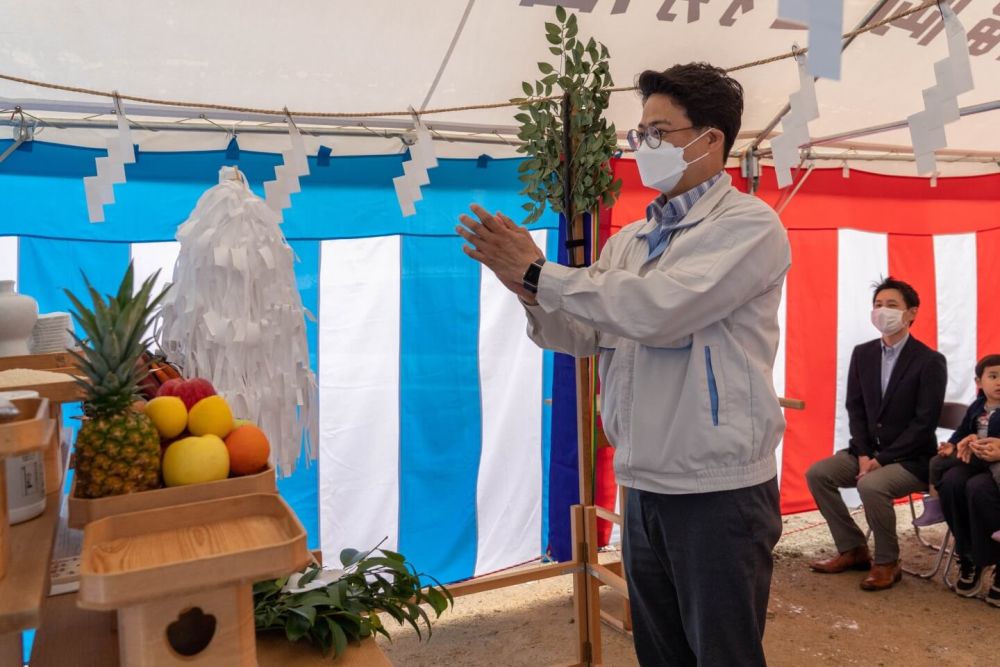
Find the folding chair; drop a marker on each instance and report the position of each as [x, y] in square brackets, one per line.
[951, 419]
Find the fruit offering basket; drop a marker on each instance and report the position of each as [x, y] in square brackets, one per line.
[182, 577]
[184, 438]
[30, 430]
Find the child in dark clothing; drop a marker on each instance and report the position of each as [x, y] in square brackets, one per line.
[982, 420]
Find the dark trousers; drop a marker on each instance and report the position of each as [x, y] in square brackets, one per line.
[970, 501]
[939, 465]
[698, 568]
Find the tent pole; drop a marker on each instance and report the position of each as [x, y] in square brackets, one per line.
[60, 123]
[899, 124]
[447, 55]
[182, 113]
[841, 137]
[787, 200]
[10, 149]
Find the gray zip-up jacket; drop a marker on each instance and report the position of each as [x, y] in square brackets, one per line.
[687, 344]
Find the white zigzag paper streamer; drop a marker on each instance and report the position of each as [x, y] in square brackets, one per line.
[825, 19]
[953, 76]
[110, 170]
[795, 125]
[277, 193]
[415, 173]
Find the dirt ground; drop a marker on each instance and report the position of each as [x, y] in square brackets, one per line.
[813, 619]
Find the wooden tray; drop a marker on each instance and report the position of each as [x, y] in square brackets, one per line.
[31, 430]
[83, 511]
[143, 556]
[60, 362]
[56, 386]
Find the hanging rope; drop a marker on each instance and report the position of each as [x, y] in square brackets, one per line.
[383, 114]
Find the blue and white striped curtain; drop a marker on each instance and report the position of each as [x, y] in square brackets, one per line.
[434, 417]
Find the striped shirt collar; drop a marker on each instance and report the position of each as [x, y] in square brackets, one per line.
[670, 211]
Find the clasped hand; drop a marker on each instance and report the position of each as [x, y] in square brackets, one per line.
[986, 449]
[866, 465]
[502, 246]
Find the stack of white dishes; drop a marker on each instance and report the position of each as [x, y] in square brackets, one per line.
[51, 334]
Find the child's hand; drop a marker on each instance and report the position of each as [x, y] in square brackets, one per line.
[987, 449]
[964, 448]
[946, 449]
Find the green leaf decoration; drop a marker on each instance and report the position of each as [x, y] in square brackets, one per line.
[581, 80]
[346, 610]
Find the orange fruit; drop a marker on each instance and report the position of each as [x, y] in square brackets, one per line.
[248, 450]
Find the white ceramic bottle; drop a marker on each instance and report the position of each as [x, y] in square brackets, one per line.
[18, 314]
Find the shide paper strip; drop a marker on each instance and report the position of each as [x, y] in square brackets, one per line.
[99, 189]
[235, 317]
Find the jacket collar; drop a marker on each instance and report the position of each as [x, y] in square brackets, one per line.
[701, 208]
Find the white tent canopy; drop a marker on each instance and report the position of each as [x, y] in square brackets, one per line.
[383, 55]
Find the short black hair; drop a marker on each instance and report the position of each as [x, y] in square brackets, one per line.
[709, 96]
[988, 361]
[910, 296]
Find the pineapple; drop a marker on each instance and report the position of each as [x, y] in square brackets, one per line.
[117, 449]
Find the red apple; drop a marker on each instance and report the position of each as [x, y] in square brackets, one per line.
[169, 387]
[190, 391]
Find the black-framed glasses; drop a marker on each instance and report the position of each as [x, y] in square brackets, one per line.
[652, 135]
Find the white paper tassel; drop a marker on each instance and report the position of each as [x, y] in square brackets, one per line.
[234, 316]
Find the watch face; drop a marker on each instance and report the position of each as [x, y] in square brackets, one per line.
[530, 280]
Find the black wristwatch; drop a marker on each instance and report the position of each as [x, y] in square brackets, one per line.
[531, 276]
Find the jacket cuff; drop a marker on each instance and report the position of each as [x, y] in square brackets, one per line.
[882, 459]
[550, 286]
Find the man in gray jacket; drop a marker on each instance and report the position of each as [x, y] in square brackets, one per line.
[682, 308]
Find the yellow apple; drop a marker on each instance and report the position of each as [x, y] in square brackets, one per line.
[195, 459]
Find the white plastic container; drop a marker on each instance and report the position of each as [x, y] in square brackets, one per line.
[25, 477]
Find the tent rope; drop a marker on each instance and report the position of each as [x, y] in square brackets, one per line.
[383, 114]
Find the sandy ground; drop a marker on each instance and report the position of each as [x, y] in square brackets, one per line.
[813, 619]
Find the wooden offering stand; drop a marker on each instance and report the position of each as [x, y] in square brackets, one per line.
[182, 577]
[30, 431]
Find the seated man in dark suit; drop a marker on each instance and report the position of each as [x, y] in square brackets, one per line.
[895, 389]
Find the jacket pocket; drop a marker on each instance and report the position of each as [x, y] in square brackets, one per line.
[612, 386]
[713, 387]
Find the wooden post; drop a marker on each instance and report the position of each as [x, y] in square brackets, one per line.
[580, 587]
[53, 462]
[584, 442]
[593, 587]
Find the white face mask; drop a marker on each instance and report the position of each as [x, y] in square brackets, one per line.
[661, 168]
[887, 320]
